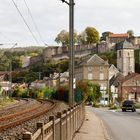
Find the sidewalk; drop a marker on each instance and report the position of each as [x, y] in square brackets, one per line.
[92, 128]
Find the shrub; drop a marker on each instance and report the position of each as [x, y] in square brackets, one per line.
[78, 96]
[60, 94]
[137, 105]
[96, 105]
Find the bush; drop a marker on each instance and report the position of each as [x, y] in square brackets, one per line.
[96, 105]
[60, 94]
[78, 96]
[113, 106]
[24, 95]
[137, 105]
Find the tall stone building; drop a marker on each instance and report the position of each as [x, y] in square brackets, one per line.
[94, 69]
[125, 57]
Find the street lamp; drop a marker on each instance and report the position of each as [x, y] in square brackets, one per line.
[71, 50]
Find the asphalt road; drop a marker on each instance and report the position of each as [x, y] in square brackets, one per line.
[120, 125]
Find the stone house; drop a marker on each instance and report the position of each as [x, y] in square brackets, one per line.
[116, 38]
[128, 87]
[38, 84]
[64, 78]
[96, 70]
[6, 87]
[57, 79]
[110, 43]
[113, 73]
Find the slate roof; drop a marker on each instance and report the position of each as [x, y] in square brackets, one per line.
[120, 78]
[94, 60]
[124, 45]
[129, 76]
[116, 80]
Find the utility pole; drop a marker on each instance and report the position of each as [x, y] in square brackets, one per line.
[71, 70]
[71, 50]
[10, 77]
[11, 70]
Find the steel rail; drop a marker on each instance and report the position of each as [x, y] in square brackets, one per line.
[28, 116]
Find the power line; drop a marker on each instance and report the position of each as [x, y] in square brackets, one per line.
[30, 13]
[5, 37]
[25, 22]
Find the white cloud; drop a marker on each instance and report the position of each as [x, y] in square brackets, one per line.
[51, 16]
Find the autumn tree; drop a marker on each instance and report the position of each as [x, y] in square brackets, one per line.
[83, 87]
[92, 35]
[91, 92]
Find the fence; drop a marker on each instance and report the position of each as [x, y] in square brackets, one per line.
[60, 127]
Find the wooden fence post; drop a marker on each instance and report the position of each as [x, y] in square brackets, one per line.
[65, 111]
[70, 123]
[40, 125]
[59, 115]
[27, 136]
[52, 118]
[76, 119]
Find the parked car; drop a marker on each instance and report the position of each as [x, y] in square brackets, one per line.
[128, 105]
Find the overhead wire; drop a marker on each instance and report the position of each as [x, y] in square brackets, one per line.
[5, 37]
[25, 21]
[35, 25]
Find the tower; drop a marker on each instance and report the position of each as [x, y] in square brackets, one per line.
[125, 57]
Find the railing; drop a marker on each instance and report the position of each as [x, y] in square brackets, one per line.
[60, 127]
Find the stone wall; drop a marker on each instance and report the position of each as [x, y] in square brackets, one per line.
[57, 52]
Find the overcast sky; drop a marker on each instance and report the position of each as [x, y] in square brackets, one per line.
[52, 16]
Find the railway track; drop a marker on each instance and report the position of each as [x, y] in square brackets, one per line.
[15, 119]
[14, 108]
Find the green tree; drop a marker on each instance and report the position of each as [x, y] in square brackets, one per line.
[110, 56]
[104, 35]
[95, 93]
[130, 33]
[92, 35]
